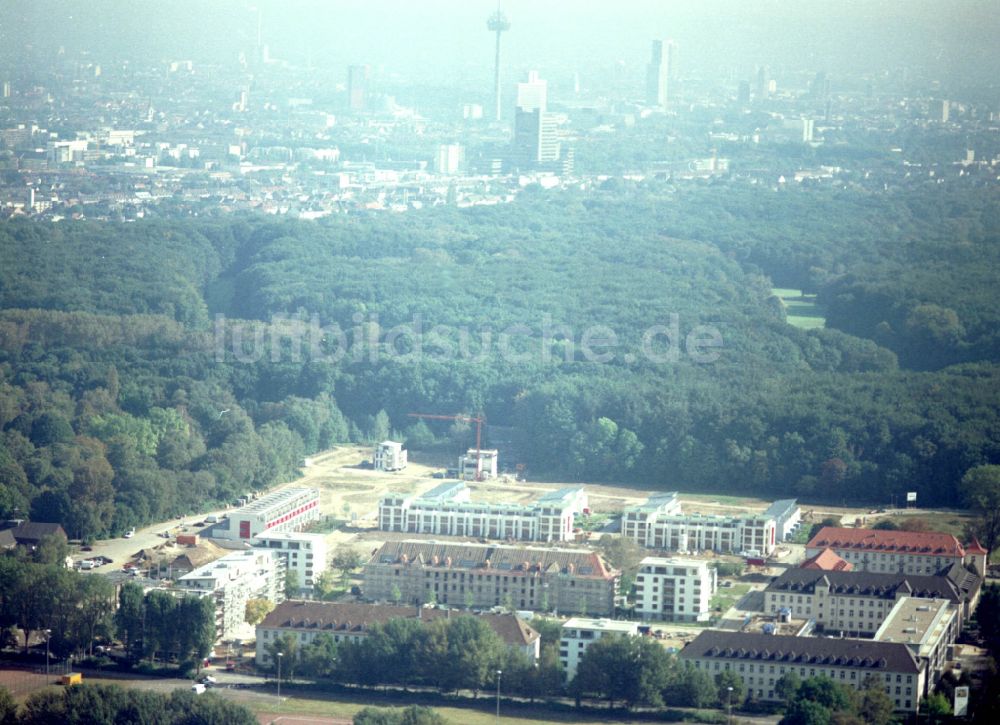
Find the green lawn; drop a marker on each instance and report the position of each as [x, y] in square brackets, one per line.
[344, 706]
[721, 499]
[802, 310]
[726, 597]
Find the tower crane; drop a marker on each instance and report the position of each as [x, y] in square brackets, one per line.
[479, 420]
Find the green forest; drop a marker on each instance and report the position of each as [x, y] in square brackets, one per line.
[152, 368]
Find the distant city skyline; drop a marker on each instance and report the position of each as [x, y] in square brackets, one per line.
[947, 40]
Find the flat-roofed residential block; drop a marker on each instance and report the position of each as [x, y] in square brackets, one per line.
[672, 589]
[447, 510]
[579, 633]
[288, 509]
[659, 523]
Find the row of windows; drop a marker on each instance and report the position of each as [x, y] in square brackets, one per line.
[782, 669]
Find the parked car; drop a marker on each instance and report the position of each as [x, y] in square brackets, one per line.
[130, 533]
[198, 688]
[87, 564]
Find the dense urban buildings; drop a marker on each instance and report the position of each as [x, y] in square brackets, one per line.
[485, 576]
[447, 510]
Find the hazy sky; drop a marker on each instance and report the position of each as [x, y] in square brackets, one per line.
[446, 38]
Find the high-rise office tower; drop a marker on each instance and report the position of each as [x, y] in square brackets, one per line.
[532, 93]
[536, 139]
[659, 73]
[743, 93]
[761, 82]
[357, 87]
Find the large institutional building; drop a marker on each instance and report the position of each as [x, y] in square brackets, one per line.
[858, 602]
[904, 552]
[660, 524]
[928, 627]
[447, 511]
[484, 576]
[674, 589]
[761, 659]
[288, 509]
[352, 621]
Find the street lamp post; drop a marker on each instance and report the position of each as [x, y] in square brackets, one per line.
[729, 706]
[280, 655]
[48, 636]
[499, 672]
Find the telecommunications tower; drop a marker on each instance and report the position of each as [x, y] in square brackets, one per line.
[497, 23]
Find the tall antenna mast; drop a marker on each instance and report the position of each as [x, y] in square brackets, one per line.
[497, 23]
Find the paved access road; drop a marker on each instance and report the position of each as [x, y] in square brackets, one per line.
[121, 550]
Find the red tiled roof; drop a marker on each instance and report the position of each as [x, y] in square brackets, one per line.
[918, 543]
[827, 560]
[975, 548]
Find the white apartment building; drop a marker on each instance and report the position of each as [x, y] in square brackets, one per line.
[674, 589]
[638, 521]
[761, 659]
[234, 580]
[786, 514]
[389, 456]
[579, 633]
[288, 509]
[476, 465]
[446, 510]
[660, 524]
[305, 554]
